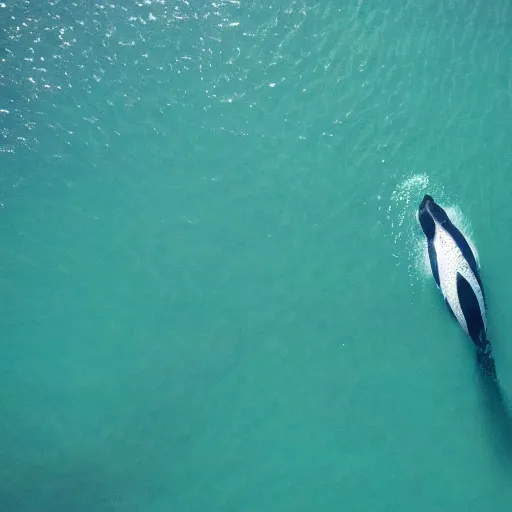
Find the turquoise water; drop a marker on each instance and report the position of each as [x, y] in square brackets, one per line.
[214, 289]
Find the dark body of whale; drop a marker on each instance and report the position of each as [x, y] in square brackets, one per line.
[455, 271]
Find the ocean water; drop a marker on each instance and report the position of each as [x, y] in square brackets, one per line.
[214, 291]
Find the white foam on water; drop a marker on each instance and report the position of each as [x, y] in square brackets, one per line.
[410, 244]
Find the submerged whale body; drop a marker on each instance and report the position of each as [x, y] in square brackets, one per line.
[455, 270]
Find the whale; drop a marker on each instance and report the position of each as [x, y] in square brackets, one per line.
[455, 269]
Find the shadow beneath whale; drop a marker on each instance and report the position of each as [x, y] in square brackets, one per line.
[498, 414]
